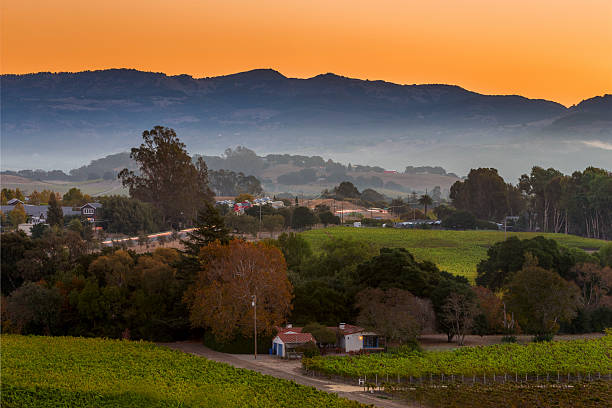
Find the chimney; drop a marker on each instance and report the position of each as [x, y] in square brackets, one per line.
[289, 325]
[341, 326]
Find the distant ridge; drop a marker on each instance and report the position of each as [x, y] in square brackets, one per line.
[56, 114]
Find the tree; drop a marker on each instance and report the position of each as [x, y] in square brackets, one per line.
[395, 314]
[322, 334]
[231, 275]
[484, 193]
[273, 223]
[17, 215]
[126, 215]
[33, 308]
[459, 311]
[346, 189]
[504, 258]
[295, 248]
[541, 299]
[327, 218]
[55, 215]
[303, 217]
[168, 179]
[74, 197]
[209, 227]
[595, 283]
[490, 318]
[425, 200]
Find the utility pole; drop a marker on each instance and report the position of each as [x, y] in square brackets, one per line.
[254, 304]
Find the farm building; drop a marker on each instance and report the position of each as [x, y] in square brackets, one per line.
[288, 339]
[349, 339]
[354, 338]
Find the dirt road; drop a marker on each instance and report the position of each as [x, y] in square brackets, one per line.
[288, 370]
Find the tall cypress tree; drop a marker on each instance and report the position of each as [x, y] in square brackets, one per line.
[55, 215]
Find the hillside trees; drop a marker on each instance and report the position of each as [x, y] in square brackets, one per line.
[129, 216]
[484, 193]
[395, 314]
[220, 299]
[541, 300]
[167, 178]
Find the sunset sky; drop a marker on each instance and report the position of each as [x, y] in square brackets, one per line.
[553, 49]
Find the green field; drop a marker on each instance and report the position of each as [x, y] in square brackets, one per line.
[78, 372]
[562, 357]
[457, 252]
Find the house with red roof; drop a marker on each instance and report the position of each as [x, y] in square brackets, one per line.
[350, 339]
[288, 339]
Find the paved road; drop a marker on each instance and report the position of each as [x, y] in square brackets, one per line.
[288, 370]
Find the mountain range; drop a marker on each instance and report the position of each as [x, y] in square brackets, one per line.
[62, 120]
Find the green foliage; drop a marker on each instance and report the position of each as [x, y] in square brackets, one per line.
[506, 257]
[295, 248]
[167, 179]
[114, 373]
[484, 193]
[209, 227]
[309, 350]
[17, 215]
[583, 356]
[541, 299]
[457, 252]
[129, 216]
[322, 334]
[460, 220]
[238, 345]
[55, 215]
[74, 198]
[303, 217]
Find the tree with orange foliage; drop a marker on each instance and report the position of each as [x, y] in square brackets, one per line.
[220, 299]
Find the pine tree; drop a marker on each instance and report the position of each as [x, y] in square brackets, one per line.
[55, 215]
[209, 227]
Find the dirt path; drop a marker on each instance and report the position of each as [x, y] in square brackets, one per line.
[288, 370]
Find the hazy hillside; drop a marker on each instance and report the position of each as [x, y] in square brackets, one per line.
[278, 173]
[58, 120]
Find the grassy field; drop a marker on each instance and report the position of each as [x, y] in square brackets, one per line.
[78, 372]
[562, 357]
[457, 252]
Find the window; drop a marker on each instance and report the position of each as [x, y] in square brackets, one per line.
[370, 341]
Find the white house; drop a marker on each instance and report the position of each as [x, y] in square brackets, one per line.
[354, 338]
[288, 338]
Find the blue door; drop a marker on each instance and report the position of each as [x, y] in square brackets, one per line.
[280, 350]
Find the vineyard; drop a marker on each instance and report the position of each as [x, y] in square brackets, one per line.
[581, 395]
[457, 252]
[65, 371]
[583, 357]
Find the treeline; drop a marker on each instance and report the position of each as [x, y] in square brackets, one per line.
[544, 200]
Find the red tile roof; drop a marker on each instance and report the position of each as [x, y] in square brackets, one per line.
[286, 329]
[348, 329]
[295, 337]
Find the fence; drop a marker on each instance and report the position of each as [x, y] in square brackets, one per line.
[398, 382]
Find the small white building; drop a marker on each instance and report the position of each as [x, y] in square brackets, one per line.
[354, 338]
[288, 339]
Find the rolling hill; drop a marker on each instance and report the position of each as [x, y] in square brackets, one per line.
[59, 119]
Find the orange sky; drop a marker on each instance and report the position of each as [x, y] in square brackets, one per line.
[554, 49]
